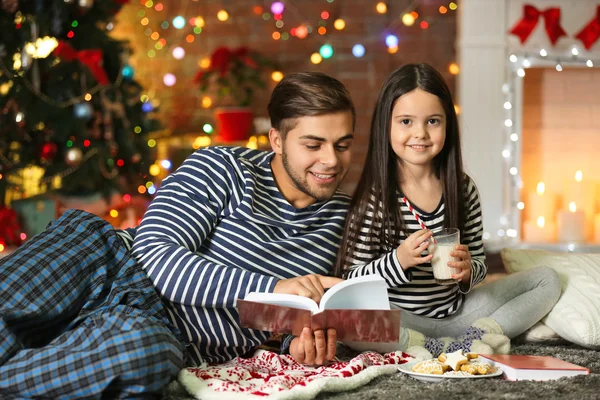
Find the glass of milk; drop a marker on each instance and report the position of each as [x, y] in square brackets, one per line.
[445, 242]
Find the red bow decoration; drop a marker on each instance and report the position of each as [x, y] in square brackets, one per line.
[222, 57]
[531, 15]
[10, 228]
[590, 34]
[90, 58]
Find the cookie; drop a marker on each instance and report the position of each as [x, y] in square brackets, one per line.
[455, 360]
[430, 367]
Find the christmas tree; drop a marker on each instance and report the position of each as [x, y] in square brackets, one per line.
[68, 101]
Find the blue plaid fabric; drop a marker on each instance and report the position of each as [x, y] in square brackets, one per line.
[80, 319]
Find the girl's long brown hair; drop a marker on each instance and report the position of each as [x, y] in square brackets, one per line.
[379, 176]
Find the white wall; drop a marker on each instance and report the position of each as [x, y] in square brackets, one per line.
[484, 46]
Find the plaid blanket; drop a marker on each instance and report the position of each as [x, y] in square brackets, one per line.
[80, 319]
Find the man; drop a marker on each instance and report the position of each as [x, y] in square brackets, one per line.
[79, 317]
[231, 221]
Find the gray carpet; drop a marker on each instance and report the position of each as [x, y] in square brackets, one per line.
[400, 386]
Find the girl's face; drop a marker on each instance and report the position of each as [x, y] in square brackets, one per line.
[418, 128]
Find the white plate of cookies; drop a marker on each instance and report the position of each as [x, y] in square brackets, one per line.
[457, 365]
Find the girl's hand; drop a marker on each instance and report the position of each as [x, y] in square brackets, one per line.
[409, 251]
[464, 263]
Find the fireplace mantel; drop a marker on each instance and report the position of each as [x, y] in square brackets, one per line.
[484, 47]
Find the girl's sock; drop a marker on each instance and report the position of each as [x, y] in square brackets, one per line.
[484, 336]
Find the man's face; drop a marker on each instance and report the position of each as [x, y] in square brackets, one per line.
[316, 155]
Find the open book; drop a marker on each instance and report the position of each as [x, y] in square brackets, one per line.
[538, 368]
[357, 308]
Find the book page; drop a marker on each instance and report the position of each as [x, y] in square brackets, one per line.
[287, 300]
[363, 293]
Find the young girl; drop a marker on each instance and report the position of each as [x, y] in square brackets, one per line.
[413, 184]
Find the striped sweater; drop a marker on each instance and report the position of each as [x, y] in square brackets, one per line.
[415, 290]
[218, 229]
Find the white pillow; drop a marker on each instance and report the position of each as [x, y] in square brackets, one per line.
[576, 315]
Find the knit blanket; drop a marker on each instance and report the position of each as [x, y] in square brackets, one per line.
[267, 374]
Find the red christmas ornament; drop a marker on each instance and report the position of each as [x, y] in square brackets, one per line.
[10, 228]
[48, 151]
[531, 15]
[590, 34]
[91, 58]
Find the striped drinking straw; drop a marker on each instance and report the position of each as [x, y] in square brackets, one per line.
[414, 213]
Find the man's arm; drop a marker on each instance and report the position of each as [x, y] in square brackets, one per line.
[184, 212]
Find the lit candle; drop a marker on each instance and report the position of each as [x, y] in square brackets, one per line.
[539, 231]
[571, 224]
[597, 228]
[542, 203]
[582, 194]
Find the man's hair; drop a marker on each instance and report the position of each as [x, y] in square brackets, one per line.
[304, 94]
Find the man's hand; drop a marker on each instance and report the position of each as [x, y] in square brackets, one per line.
[314, 348]
[311, 286]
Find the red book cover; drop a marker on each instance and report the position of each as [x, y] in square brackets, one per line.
[524, 367]
[357, 308]
[350, 325]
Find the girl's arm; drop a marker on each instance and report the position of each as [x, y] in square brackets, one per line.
[371, 258]
[473, 236]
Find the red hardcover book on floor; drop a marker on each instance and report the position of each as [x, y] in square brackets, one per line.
[538, 368]
[357, 308]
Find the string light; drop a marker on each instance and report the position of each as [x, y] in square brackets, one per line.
[178, 53]
[201, 141]
[316, 58]
[179, 22]
[154, 170]
[277, 7]
[358, 50]
[326, 51]
[205, 62]
[454, 69]
[391, 41]
[206, 102]
[222, 15]
[339, 24]
[166, 164]
[277, 76]
[408, 19]
[169, 79]
[381, 7]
